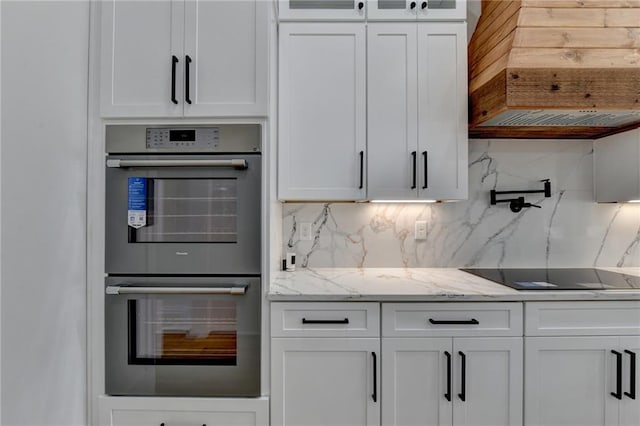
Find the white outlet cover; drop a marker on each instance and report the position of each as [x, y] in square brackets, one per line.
[305, 231]
[421, 230]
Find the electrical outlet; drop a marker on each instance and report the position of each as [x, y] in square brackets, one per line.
[421, 230]
[305, 231]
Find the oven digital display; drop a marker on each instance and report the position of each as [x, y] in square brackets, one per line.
[182, 135]
[206, 138]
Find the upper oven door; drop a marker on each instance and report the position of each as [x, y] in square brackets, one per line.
[183, 214]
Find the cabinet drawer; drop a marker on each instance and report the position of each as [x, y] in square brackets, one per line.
[451, 319]
[325, 319]
[125, 411]
[582, 318]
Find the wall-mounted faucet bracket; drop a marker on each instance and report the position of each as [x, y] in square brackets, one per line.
[517, 204]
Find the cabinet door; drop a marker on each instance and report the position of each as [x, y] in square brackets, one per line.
[325, 382]
[322, 124]
[139, 41]
[442, 111]
[227, 43]
[352, 10]
[488, 381]
[392, 108]
[446, 10]
[630, 403]
[415, 379]
[569, 381]
[397, 10]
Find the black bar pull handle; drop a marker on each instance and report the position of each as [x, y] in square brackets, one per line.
[374, 395]
[186, 79]
[472, 321]
[360, 5]
[174, 61]
[424, 4]
[463, 376]
[413, 5]
[425, 156]
[361, 170]
[632, 373]
[415, 165]
[329, 321]
[618, 393]
[448, 394]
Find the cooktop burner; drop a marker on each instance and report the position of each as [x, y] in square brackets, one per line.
[559, 279]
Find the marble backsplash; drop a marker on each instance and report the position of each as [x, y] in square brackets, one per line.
[570, 230]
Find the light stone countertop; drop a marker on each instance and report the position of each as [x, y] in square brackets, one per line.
[417, 284]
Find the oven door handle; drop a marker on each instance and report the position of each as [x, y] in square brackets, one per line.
[235, 163]
[234, 291]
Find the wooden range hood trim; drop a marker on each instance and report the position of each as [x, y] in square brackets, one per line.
[546, 67]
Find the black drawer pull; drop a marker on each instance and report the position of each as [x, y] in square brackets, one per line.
[618, 393]
[374, 395]
[632, 373]
[174, 61]
[448, 394]
[329, 321]
[463, 376]
[472, 321]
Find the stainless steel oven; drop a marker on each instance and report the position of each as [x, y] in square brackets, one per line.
[183, 200]
[188, 336]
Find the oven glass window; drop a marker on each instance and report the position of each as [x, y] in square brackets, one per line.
[182, 331]
[189, 211]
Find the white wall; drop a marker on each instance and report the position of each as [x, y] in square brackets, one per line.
[43, 219]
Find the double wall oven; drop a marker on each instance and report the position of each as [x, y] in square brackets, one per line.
[183, 260]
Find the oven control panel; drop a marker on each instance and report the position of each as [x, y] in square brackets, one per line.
[183, 138]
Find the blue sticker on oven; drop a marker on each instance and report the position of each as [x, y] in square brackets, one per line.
[137, 202]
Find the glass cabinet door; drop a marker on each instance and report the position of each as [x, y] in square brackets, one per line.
[393, 10]
[408, 10]
[350, 10]
[446, 10]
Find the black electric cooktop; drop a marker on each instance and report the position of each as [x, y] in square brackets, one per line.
[559, 279]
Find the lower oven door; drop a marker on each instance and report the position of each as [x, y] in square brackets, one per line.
[194, 336]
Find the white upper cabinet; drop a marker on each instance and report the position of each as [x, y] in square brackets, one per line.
[228, 45]
[322, 107]
[138, 67]
[329, 10]
[184, 58]
[442, 111]
[392, 108]
[417, 115]
[411, 10]
[617, 167]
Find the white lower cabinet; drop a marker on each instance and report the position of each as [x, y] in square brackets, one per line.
[446, 364]
[580, 369]
[325, 364]
[325, 382]
[126, 411]
[452, 381]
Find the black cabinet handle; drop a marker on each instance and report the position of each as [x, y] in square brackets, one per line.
[374, 395]
[174, 61]
[463, 376]
[415, 164]
[424, 5]
[360, 5]
[425, 155]
[632, 373]
[186, 79]
[311, 321]
[413, 5]
[361, 170]
[472, 321]
[618, 393]
[448, 394]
